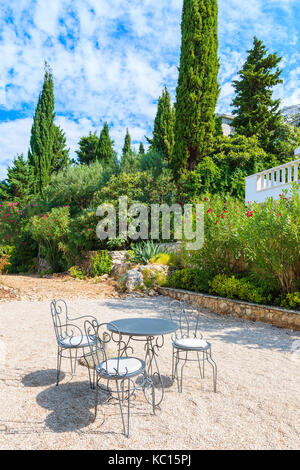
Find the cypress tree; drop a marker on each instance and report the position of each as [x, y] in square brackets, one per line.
[105, 151]
[197, 90]
[40, 153]
[127, 143]
[141, 149]
[163, 133]
[255, 110]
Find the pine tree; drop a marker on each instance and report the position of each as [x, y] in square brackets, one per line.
[61, 157]
[141, 149]
[163, 132]
[105, 151]
[127, 143]
[197, 90]
[88, 146]
[40, 154]
[19, 183]
[255, 110]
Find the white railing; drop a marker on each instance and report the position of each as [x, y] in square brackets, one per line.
[271, 183]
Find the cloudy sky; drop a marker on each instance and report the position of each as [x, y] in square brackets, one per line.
[111, 59]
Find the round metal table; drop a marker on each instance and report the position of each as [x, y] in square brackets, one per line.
[151, 331]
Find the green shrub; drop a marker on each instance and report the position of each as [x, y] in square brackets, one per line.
[234, 288]
[101, 264]
[149, 278]
[76, 272]
[166, 259]
[51, 231]
[291, 301]
[143, 252]
[196, 280]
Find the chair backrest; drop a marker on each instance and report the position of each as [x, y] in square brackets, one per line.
[187, 316]
[59, 313]
[101, 343]
[64, 327]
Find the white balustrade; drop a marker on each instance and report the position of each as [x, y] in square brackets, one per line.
[271, 183]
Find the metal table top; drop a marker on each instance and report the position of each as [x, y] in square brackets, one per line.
[143, 326]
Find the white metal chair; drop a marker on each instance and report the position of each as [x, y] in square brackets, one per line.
[70, 338]
[188, 340]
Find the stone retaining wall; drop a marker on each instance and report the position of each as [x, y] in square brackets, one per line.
[277, 316]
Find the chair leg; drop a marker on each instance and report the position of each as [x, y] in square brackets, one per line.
[153, 398]
[214, 367]
[59, 353]
[173, 363]
[128, 408]
[92, 380]
[199, 363]
[96, 400]
[121, 408]
[181, 374]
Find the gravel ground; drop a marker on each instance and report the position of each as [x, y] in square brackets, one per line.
[256, 405]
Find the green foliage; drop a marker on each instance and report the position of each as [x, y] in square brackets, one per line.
[292, 301]
[166, 259]
[87, 152]
[143, 252]
[76, 186]
[52, 231]
[42, 135]
[149, 278]
[224, 170]
[127, 143]
[101, 264]
[270, 237]
[141, 149]
[60, 151]
[152, 162]
[105, 151]
[197, 90]
[196, 280]
[130, 162]
[76, 272]
[19, 183]
[233, 288]
[256, 112]
[163, 133]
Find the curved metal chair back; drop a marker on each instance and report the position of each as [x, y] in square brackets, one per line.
[99, 337]
[59, 313]
[187, 317]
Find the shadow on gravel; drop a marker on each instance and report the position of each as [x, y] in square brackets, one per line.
[41, 378]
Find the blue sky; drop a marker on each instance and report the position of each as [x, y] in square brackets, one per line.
[111, 59]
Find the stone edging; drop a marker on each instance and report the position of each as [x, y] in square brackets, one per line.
[277, 316]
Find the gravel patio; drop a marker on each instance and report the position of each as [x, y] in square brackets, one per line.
[256, 405]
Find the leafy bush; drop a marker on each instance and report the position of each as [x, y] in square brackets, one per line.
[292, 301]
[240, 289]
[196, 280]
[143, 252]
[51, 231]
[101, 264]
[166, 259]
[76, 272]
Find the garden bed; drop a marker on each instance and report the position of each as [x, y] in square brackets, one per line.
[277, 316]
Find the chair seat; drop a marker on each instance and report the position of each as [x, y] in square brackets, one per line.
[75, 342]
[191, 343]
[127, 366]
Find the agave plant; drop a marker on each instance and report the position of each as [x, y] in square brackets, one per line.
[143, 252]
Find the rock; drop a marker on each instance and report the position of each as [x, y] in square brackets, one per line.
[133, 279]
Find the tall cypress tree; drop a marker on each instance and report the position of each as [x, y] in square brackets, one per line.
[127, 143]
[197, 90]
[256, 112]
[141, 149]
[105, 151]
[163, 132]
[40, 153]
